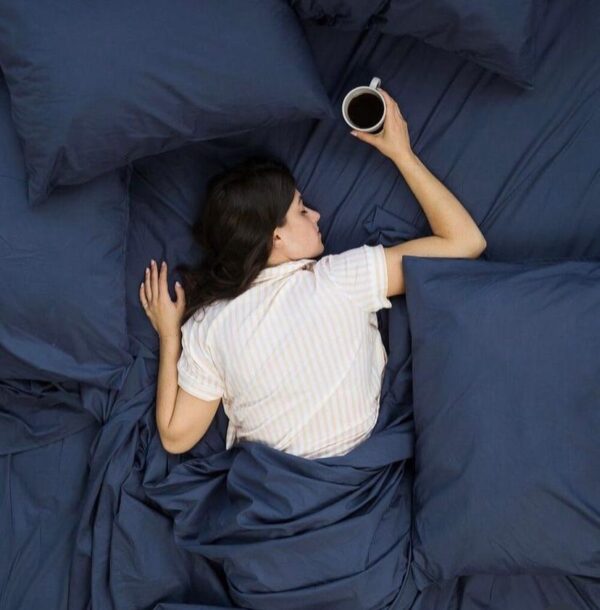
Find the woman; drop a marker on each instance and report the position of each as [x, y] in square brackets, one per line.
[289, 343]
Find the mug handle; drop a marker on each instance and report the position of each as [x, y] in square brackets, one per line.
[375, 83]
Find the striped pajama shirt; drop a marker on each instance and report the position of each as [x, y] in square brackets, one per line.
[298, 358]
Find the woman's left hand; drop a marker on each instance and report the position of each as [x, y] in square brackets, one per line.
[164, 314]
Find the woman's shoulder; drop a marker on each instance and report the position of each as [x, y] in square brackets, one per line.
[200, 327]
[209, 312]
[216, 314]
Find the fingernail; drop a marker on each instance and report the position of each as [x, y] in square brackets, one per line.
[353, 133]
[162, 264]
[177, 284]
[153, 262]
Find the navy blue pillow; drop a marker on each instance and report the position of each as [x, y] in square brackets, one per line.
[506, 390]
[62, 309]
[499, 35]
[95, 85]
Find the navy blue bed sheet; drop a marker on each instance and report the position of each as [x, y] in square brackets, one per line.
[93, 512]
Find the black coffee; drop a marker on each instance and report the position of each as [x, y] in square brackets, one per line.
[365, 110]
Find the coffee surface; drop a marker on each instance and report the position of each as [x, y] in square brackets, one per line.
[365, 110]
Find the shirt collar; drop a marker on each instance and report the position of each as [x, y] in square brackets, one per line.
[281, 270]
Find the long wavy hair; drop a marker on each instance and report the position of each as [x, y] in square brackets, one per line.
[243, 206]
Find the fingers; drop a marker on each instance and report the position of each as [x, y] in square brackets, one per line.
[156, 284]
[180, 294]
[148, 285]
[362, 135]
[388, 98]
[143, 299]
[154, 278]
[162, 280]
[391, 102]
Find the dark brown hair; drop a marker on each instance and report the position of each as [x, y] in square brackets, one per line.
[243, 207]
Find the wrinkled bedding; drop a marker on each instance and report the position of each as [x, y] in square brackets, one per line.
[94, 514]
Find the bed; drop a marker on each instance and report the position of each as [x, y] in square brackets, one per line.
[480, 486]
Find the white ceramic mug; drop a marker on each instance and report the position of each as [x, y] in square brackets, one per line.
[372, 88]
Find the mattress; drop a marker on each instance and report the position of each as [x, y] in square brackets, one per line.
[94, 513]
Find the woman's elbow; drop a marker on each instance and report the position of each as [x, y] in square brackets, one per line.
[169, 446]
[173, 446]
[476, 246]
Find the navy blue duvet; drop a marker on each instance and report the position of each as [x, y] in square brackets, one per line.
[94, 514]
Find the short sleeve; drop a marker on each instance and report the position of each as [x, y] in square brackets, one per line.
[361, 274]
[196, 370]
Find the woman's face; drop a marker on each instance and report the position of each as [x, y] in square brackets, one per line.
[300, 236]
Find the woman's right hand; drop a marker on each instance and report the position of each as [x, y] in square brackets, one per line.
[393, 140]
